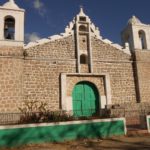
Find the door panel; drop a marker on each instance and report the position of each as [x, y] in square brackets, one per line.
[85, 99]
[77, 99]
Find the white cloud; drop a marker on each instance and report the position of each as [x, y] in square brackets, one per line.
[37, 4]
[31, 37]
[40, 7]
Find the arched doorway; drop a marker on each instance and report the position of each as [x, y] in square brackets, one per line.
[85, 99]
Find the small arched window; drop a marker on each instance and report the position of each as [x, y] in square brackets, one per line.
[83, 59]
[142, 39]
[82, 28]
[9, 28]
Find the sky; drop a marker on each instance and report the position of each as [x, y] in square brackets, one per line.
[44, 18]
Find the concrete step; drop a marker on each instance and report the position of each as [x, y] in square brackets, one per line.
[136, 131]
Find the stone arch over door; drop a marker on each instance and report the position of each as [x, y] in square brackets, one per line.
[85, 99]
[68, 81]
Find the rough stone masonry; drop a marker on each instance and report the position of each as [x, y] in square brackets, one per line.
[50, 69]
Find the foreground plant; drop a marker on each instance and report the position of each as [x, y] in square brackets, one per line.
[38, 112]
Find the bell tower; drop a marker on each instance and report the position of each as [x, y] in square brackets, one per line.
[83, 42]
[11, 25]
[84, 30]
[136, 34]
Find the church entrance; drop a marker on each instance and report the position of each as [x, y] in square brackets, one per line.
[85, 99]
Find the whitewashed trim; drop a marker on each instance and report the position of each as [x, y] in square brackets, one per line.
[62, 123]
[117, 46]
[108, 90]
[70, 31]
[11, 43]
[85, 74]
[11, 5]
[45, 40]
[125, 126]
[63, 92]
[64, 103]
[147, 121]
[20, 9]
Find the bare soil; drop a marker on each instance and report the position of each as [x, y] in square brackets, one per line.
[134, 142]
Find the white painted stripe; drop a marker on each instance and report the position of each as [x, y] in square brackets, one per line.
[125, 127]
[61, 123]
[148, 125]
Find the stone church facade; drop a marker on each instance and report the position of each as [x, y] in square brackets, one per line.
[75, 71]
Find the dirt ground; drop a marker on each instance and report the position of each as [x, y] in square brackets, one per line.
[138, 142]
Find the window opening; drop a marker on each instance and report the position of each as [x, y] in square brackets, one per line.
[9, 28]
[142, 39]
[83, 59]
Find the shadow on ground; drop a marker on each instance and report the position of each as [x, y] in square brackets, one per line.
[115, 143]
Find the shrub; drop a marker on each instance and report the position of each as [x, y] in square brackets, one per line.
[37, 112]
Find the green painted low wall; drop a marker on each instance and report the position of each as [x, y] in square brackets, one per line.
[24, 134]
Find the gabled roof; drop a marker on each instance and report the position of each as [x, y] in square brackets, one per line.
[134, 20]
[69, 30]
[11, 5]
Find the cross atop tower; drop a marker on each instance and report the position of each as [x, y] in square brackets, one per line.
[81, 8]
[81, 11]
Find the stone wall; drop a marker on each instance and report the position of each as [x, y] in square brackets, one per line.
[58, 49]
[116, 63]
[84, 68]
[42, 69]
[42, 81]
[121, 81]
[106, 52]
[83, 43]
[11, 51]
[37, 75]
[11, 72]
[143, 73]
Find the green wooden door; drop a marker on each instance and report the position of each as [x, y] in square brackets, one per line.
[85, 99]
